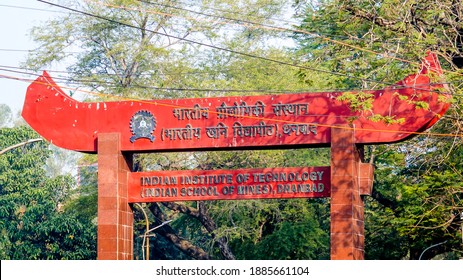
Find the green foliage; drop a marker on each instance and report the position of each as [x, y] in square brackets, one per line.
[290, 241]
[428, 210]
[84, 202]
[270, 229]
[362, 102]
[358, 101]
[132, 62]
[382, 238]
[417, 192]
[386, 119]
[413, 207]
[306, 157]
[275, 229]
[32, 221]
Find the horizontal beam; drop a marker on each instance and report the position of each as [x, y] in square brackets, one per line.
[265, 183]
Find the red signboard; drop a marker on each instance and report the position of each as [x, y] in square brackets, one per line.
[266, 183]
[242, 122]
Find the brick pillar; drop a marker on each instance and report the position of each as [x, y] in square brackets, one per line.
[115, 216]
[347, 210]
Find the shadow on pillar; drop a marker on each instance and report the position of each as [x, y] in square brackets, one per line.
[350, 179]
[115, 216]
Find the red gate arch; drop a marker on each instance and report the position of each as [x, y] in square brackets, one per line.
[116, 130]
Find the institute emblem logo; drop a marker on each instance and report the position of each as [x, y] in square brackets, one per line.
[142, 125]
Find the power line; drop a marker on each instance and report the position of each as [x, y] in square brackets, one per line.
[249, 24]
[223, 49]
[208, 15]
[117, 84]
[157, 73]
[229, 12]
[29, 8]
[158, 103]
[217, 47]
[240, 22]
[68, 80]
[31, 51]
[14, 50]
[268, 26]
[324, 38]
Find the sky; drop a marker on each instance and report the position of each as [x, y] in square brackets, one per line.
[17, 17]
[15, 25]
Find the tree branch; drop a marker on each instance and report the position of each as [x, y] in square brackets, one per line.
[19, 145]
[169, 233]
[203, 217]
[383, 200]
[372, 17]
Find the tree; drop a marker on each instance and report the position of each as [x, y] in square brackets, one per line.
[33, 223]
[146, 49]
[5, 115]
[417, 193]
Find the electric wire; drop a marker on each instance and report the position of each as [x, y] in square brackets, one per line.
[171, 35]
[260, 57]
[14, 50]
[310, 68]
[219, 48]
[229, 12]
[30, 8]
[249, 24]
[268, 91]
[241, 22]
[382, 54]
[116, 84]
[160, 103]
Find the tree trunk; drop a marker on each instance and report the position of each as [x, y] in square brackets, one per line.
[169, 233]
[201, 215]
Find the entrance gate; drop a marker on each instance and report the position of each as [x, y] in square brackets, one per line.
[116, 130]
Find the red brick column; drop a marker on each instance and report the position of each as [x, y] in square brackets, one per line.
[115, 216]
[347, 210]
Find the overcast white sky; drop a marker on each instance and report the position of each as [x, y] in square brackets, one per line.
[15, 24]
[17, 17]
